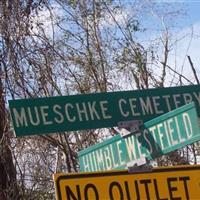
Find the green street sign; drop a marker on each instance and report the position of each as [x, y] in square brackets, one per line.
[99, 110]
[159, 136]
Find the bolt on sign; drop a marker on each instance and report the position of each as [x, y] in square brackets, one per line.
[159, 136]
[181, 182]
[99, 110]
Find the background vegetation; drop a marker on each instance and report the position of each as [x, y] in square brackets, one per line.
[65, 47]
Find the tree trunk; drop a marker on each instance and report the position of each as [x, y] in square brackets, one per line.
[8, 180]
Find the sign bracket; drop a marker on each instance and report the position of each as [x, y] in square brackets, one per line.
[126, 128]
[129, 127]
[140, 165]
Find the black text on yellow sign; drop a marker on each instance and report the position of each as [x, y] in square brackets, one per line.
[180, 183]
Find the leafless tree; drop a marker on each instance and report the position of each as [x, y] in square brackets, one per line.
[55, 48]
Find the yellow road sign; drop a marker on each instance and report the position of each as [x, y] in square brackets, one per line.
[180, 183]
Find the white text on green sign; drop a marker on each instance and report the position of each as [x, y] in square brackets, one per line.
[100, 110]
[159, 136]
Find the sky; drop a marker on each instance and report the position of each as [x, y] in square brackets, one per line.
[190, 27]
[186, 37]
[193, 8]
[185, 33]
